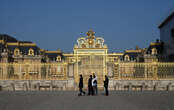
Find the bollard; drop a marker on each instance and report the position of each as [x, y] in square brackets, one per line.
[51, 86]
[143, 87]
[130, 87]
[64, 86]
[117, 86]
[29, 85]
[168, 88]
[155, 87]
[38, 86]
[25, 87]
[13, 86]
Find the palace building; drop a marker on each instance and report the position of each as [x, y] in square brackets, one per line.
[26, 60]
[25, 66]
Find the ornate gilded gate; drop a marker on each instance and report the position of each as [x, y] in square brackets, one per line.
[90, 56]
[92, 65]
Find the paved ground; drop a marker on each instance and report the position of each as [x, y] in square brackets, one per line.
[59, 100]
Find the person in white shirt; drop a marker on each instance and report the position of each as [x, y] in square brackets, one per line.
[94, 84]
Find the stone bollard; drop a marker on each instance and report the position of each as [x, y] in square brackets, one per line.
[29, 85]
[51, 86]
[130, 87]
[143, 87]
[155, 87]
[13, 86]
[38, 86]
[117, 86]
[64, 86]
[25, 87]
[168, 88]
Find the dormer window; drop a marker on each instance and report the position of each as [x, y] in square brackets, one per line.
[172, 33]
[16, 51]
[126, 58]
[154, 51]
[31, 52]
[58, 58]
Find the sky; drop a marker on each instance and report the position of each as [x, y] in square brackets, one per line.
[57, 24]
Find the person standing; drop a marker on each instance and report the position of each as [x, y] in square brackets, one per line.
[81, 86]
[94, 84]
[90, 89]
[106, 82]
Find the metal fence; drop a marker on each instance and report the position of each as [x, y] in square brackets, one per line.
[148, 71]
[33, 71]
[60, 71]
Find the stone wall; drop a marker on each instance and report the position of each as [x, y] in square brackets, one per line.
[131, 85]
[53, 85]
[37, 85]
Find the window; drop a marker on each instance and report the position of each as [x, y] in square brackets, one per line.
[31, 52]
[172, 33]
[16, 51]
[127, 58]
[154, 51]
[58, 58]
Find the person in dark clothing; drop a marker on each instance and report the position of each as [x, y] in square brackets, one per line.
[106, 82]
[81, 86]
[90, 89]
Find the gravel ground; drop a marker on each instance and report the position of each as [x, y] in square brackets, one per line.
[69, 100]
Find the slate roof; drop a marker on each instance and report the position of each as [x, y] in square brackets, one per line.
[7, 38]
[25, 49]
[1, 47]
[132, 55]
[166, 20]
[53, 55]
[158, 46]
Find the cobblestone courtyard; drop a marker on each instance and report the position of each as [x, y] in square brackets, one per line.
[68, 100]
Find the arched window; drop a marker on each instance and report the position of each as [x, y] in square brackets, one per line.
[16, 51]
[31, 52]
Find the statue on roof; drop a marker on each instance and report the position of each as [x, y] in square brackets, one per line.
[91, 34]
[90, 41]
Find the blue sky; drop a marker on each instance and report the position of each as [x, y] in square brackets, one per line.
[54, 24]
